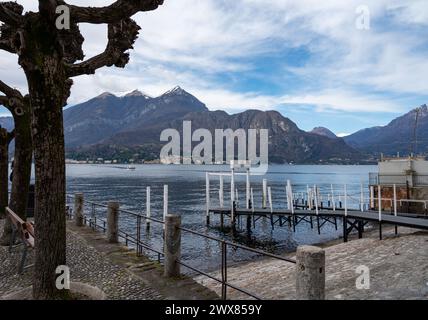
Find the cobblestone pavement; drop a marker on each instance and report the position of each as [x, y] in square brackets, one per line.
[398, 270]
[86, 265]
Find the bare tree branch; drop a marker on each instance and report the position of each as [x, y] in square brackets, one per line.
[9, 91]
[4, 100]
[11, 13]
[13, 99]
[119, 10]
[122, 36]
[5, 45]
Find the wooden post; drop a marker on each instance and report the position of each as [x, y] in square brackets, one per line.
[78, 209]
[372, 197]
[207, 187]
[310, 273]
[172, 246]
[148, 207]
[113, 222]
[264, 193]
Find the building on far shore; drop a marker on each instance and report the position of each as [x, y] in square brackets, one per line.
[410, 177]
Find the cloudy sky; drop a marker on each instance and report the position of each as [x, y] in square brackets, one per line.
[304, 58]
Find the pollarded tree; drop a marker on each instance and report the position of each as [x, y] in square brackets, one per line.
[5, 139]
[49, 46]
[19, 106]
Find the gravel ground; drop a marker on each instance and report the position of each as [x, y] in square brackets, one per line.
[86, 265]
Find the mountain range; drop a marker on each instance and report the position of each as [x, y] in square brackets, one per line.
[129, 126]
[108, 126]
[405, 135]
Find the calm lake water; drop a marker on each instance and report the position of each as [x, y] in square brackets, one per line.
[101, 183]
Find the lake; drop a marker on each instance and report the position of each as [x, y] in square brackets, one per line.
[101, 183]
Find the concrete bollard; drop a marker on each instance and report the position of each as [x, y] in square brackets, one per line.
[78, 209]
[310, 273]
[113, 222]
[172, 245]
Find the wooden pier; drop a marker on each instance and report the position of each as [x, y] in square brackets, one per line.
[307, 208]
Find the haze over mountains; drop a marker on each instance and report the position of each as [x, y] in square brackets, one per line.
[112, 127]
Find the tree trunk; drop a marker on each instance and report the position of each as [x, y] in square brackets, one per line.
[22, 170]
[4, 168]
[48, 87]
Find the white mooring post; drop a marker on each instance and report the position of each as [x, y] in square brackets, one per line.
[395, 206]
[345, 191]
[221, 192]
[371, 197]
[270, 199]
[252, 200]
[395, 200]
[362, 198]
[290, 197]
[308, 191]
[333, 201]
[379, 191]
[148, 207]
[165, 203]
[316, 200]
[247, 189]
[232, 194]
[264, 200]
[379, 195]
[207, 191]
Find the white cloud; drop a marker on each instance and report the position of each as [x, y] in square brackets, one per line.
[192, 43]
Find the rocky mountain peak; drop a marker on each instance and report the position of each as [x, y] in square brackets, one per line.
[137, 93]
[321, 131]
[105, 95]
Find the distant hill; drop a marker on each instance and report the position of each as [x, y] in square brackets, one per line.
[110, 126]
[397, 136]
[324, 132]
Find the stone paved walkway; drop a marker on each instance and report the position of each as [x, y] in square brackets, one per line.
[86, 265]
[398, 270]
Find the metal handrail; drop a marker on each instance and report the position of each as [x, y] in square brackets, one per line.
[135, 240]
